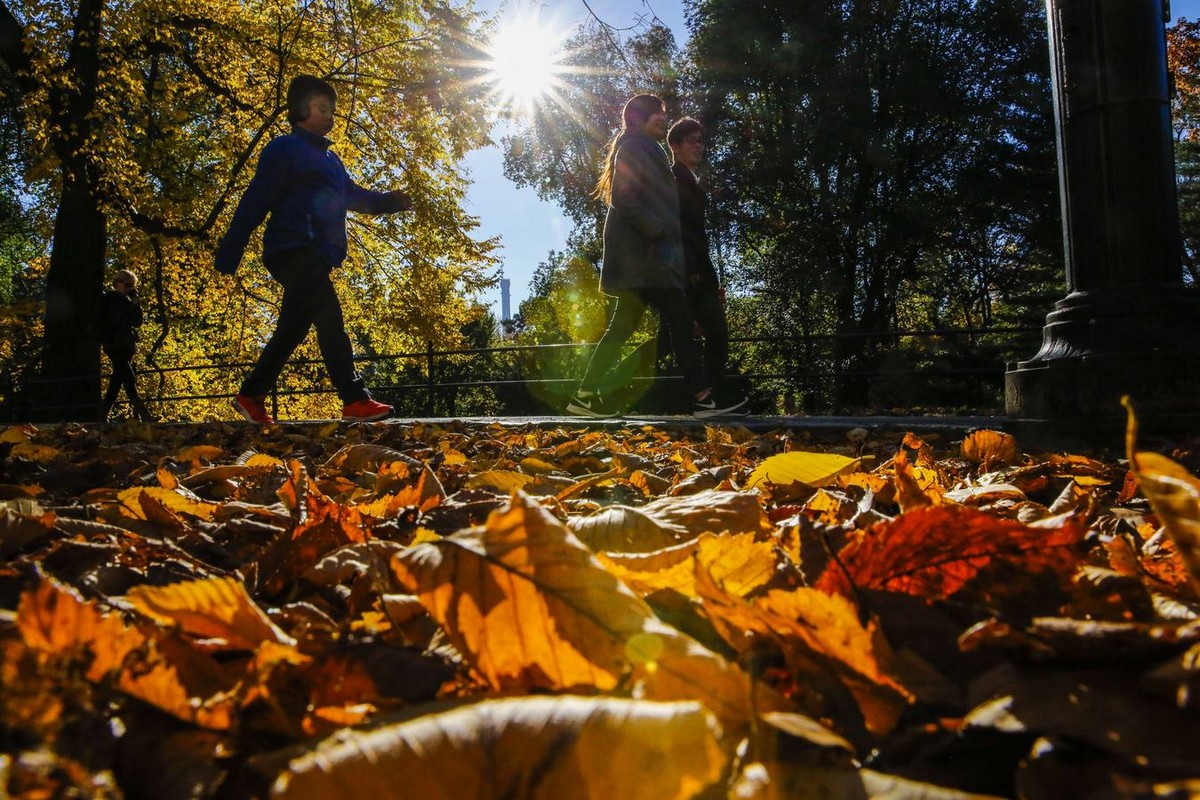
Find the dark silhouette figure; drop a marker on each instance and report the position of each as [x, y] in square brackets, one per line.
[117, 323]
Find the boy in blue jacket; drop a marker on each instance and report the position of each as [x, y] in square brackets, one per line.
[304, 188]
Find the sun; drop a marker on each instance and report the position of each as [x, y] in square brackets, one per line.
[523, 62]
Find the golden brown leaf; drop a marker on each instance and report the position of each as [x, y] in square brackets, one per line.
[216, 608]
[538, 748]
[1174, 494]
[530, 608]
[822, 640]
[991, 447]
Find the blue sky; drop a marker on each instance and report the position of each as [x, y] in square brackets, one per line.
[529, 228]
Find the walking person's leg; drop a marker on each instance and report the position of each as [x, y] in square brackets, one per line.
[131, 391]
[677, 313]
[115, 380]
[334, 342]
[338, 354]
[709, 313]
[626, 314]
[293, 269]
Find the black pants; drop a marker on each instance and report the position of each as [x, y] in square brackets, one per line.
[123, 377]
[308, 299]
[672, 306]
[709, 313]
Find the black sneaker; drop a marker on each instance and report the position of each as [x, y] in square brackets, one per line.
[714, 406]
[591, 406]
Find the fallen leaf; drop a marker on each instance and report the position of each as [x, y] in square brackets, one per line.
[540, 748]
[811, 469]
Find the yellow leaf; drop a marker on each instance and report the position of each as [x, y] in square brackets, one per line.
[217, 608]
[199, 452]
[670, 568]
[739, 564]
[1174, 494]
[505, 481]
[179, 500]
[810, 469]
[15, 434]
[621, 529]
[37, 453]
[540, 748]
[537, 466]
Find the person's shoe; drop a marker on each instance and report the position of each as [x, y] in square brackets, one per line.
[252, 408]
[591, 405]
[714, 406]
[366, 410]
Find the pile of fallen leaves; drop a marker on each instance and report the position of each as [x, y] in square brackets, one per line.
[412, 610]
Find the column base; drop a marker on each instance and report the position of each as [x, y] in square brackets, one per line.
[1083, 394]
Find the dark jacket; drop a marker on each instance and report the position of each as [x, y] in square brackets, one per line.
[307, 192]
[696, 257]
[117, 319]
[642, 245]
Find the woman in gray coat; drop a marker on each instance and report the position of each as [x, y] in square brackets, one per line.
[643, 258]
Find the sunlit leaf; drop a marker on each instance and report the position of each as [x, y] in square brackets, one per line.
[822, 639]
[934, 552]
[503, 481]
[217, 608]
[1174, 494]
[539, 747]
[177, 500]
[622, 529]
[529, 607]
[810, 469]
[991, 447]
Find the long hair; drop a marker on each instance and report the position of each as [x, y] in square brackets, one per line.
[637, 110]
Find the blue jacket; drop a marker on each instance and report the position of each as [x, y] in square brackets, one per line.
[306, 190]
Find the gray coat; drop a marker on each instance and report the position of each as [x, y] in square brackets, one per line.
[643, 246]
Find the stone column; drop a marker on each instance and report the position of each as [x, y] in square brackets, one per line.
[1128, 324]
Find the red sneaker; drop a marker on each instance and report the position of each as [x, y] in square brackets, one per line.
[366, 410]
[252, 408]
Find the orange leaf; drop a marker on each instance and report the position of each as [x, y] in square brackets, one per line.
[54, 619]
[216, 608]
[528, 606]
[991, 447]
[821, 638]
[934, 552]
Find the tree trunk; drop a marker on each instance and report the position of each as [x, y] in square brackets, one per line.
[70, 357]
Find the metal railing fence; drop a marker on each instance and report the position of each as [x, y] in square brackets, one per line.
[948, 369]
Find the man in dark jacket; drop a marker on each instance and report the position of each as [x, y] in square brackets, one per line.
[304, 188]
[117, 320]
[706, 297]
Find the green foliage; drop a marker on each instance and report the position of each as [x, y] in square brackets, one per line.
[878, 166]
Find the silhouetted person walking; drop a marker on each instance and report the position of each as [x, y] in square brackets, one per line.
[117, 323]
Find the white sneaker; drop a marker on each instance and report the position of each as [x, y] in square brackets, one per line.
[713, 406]
[592, 405]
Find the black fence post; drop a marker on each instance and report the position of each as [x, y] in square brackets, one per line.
[429, 383]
